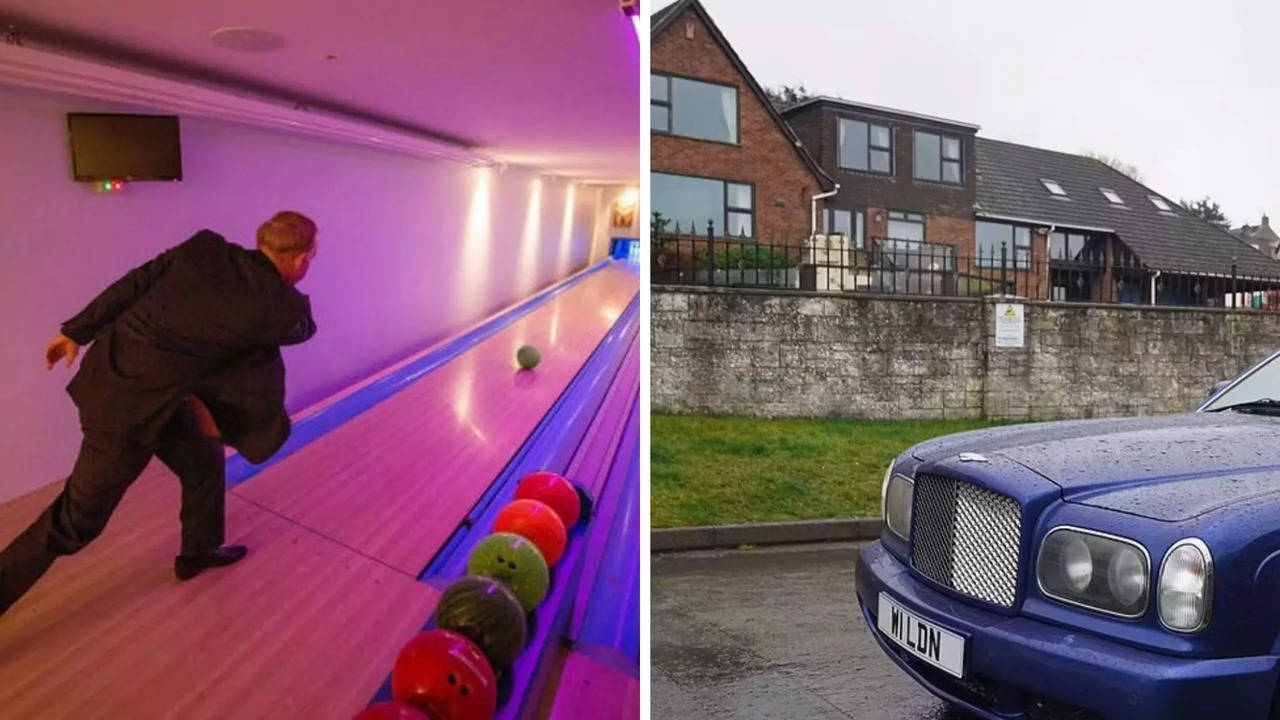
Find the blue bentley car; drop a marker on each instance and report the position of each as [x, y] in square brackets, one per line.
[1119, 569]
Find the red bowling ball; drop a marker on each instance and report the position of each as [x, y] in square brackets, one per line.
[553, 490]
[536, 522]
[443, 673]
[393, 711]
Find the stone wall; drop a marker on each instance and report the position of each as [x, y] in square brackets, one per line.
[778, 354]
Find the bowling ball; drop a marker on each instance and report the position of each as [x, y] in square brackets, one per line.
[537, 522]
[515, 562]
[393, 711]
[488, 613]
[528, 357]
[553, 490]
[443, 673]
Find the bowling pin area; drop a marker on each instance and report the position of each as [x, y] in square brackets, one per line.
[402, 562]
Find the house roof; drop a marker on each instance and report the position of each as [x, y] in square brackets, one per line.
[1258, 233]
[662, 19]
[1010, 188]
[851, 105]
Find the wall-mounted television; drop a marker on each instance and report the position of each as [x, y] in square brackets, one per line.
[124, 147]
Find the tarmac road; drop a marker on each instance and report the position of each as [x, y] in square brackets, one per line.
[771, 633]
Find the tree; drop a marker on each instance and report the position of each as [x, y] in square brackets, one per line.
[784, 96]
[1116, 164]
[1207, 210]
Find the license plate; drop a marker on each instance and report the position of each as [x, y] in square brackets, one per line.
[940, 648]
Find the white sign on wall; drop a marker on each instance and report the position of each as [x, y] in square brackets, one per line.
[1011, 326]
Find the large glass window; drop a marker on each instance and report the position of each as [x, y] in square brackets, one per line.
[906, 229]
[690, 203]
[937, 158]
[694, 109]
[999, 243]
[865, 146]
[1066, 246]
[848, 223]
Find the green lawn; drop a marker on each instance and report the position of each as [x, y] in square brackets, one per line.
[722, 470]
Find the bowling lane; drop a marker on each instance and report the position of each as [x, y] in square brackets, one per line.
[590, 688]
[394, 482]
[303, 627]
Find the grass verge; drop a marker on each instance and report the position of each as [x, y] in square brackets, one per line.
[708, 470]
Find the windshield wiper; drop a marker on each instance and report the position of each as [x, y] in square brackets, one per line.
[1261, 405]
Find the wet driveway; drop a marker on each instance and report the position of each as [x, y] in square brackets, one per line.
[771, 633]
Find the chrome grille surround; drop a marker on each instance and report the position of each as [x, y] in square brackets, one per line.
[966, 538]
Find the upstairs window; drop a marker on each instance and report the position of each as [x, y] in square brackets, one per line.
[1160, 203]
[865, 146]
[693, 109]
[937, 158]
[1111, 196]
[1053, 187]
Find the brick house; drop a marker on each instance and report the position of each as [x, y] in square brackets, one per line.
[720, 152]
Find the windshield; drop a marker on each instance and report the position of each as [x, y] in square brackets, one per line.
[1263, 383]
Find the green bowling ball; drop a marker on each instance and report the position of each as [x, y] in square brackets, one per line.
[488, 613]
[514, 561]
[528, 357]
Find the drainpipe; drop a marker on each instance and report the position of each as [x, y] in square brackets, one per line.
[813, 201]
[1153, 286]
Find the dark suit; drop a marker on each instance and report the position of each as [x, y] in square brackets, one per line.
[205, 318]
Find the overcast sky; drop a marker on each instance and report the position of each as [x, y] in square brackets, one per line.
[1189, 92]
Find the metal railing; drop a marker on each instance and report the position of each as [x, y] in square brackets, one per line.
[834, 263]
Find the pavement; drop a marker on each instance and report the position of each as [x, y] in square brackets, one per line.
[771, 633]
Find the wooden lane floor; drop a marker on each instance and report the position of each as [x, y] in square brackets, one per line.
[589, 688]
[394, 482]
[301, 628]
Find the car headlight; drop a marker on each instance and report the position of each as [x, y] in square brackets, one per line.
[1186, 586]
[1101, 572]
[895, 500]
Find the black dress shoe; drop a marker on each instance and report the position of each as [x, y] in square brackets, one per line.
[189, 566]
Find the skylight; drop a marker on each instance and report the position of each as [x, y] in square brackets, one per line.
[1053, 187]
[1112, 196]
[1160, 203]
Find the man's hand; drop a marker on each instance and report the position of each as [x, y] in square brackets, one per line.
[58, 348]
[204, 419]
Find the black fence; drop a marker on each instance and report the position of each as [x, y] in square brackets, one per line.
[896, 266]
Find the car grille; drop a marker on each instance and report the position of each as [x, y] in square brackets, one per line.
[966, 538]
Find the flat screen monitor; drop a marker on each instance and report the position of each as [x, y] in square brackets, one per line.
[124, 147]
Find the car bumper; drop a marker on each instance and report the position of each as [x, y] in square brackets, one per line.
[1017, 667]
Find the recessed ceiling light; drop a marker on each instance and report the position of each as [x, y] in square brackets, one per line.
[247, 39]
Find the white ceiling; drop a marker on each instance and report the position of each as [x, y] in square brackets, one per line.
[553, 84]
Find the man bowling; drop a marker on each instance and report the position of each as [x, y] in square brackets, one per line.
[184, 356]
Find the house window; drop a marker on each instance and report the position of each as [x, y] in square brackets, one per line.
[1053, 187]
[1066, 246]
[937, 158]
[693, 109]
[690, 203]
[1160, 203]
[906, 229]
[865, 146]
[660, 103]
[1111, 196]
[848, 223]
[999, 243]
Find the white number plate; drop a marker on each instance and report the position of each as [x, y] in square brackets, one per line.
[940, 648]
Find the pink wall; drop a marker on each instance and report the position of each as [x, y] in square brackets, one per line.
[411, 251]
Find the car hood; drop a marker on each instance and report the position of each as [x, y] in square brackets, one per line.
[1170, 468]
